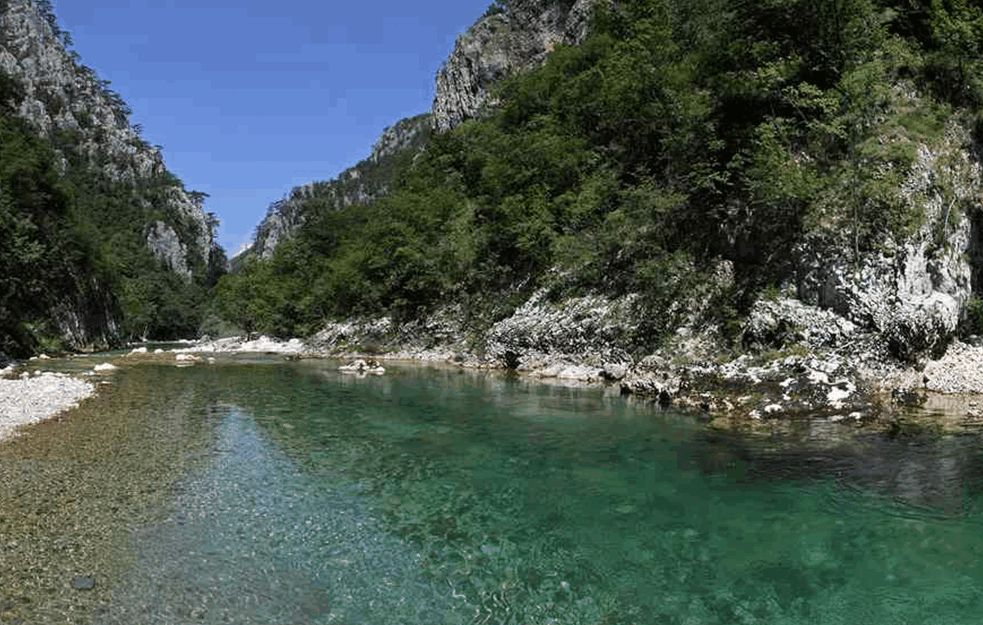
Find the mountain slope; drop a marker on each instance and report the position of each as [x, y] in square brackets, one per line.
[357, 185]
[116, 247]
[511, 37]
[687, 162]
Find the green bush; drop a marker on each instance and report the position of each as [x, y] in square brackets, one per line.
[676, 135]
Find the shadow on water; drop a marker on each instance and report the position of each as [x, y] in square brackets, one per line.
[290, 493]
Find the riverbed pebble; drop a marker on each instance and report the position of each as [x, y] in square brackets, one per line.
[239, 344]
[32, 399]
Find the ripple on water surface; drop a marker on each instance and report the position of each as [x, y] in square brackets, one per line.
[287, 493]
[252, 539]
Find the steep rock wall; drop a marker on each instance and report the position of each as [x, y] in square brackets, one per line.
[62, 95]
[500, 45]
[913, 290]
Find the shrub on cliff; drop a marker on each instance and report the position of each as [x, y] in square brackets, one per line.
[678, 134]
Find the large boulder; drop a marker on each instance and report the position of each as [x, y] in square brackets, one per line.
[588, 330]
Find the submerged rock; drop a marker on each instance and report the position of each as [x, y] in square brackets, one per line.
[369, 367]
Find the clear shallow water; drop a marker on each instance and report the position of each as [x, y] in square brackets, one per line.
[290, 493]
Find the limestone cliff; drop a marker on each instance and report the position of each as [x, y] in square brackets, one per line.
[356, 185]
[63, 97]
[499, 45]
[913, 289]
[107, 193]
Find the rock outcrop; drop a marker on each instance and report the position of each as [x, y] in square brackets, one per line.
[542, 336]
[167, 246]
[406, 134]
[912, 289]
[61, 95]
[357, 185]
[500, 45]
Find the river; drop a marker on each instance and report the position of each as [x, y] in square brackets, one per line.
[253, 490]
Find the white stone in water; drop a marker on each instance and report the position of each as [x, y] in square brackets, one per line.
[836, 394]
[360, 366]
[104, 367]
[138, 350]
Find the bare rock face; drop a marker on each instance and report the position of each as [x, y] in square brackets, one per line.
[776, 323]
[167, 246]
[402, 135]
[500, 45]
[62, 94]
[913, 289]
[541, 334]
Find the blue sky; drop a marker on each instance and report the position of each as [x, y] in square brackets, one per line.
[250, 98]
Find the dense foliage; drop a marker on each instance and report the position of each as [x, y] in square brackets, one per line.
[74, 254]
[677, 135]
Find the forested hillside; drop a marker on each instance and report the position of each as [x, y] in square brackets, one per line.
[100, 243]
[357, 185]
[679, 135]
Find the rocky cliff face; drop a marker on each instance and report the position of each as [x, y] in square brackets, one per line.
[116, 184]
[357, 185]
[500, 45]
[913, 290]
[406, 134]
[63, 96]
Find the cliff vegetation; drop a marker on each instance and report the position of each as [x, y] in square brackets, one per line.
[100, 242]
[676, 139]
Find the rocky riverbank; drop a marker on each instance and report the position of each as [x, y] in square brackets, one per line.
[797, 363]
[791, 362]
[33, 398]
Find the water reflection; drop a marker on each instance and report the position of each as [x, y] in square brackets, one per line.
[287, 492]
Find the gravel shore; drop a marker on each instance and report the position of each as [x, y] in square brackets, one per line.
[959, 370]
[30, 399]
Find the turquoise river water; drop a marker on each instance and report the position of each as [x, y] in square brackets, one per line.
[261, 491]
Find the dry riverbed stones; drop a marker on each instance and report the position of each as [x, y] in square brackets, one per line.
[32, 398]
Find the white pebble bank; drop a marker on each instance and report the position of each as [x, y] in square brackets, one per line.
[36, 398]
